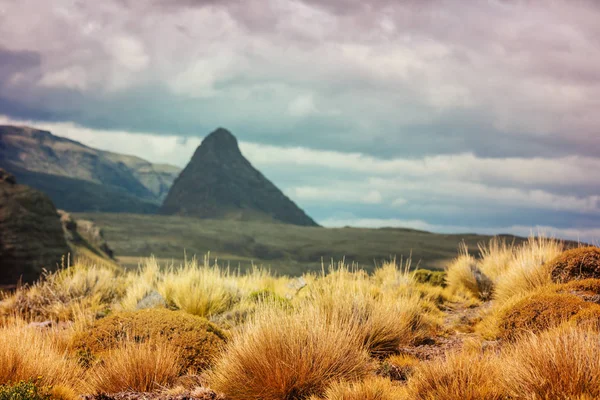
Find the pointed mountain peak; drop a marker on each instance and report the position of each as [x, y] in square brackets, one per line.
[219, 182]
[221, 138]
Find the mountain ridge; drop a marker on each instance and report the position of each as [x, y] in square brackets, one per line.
[101, 180]
[219, 182]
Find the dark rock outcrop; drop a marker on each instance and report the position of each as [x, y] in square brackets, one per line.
[31, 235]
[84, 233]
[219, 182]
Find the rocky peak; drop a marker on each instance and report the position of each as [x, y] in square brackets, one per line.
[220, 145]
[219, 182]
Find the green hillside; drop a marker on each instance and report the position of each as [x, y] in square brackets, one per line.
[287, 249]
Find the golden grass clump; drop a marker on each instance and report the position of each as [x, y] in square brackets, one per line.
[559, 364]
[576, 264]
[383, 310]
[370, 389]
[539, 312]
[528, 270]
[464, 275]
[62, 295]
[459, 376]
[28, 354]
[140, 367]
[280, 354]
[496, 257]
[198, 340]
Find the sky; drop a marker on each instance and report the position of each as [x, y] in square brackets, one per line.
[450, 116]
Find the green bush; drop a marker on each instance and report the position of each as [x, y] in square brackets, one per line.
[198, 340]
[434, 278]
[23, 391]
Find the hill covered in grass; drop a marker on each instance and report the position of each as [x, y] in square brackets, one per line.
[287, 249]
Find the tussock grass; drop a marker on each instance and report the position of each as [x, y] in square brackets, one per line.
[460, 376]
[528, 269]
[27, 354]
[382, 309]
[558, 364]
[141, 367]
[369, 389]
[66, 294]
[280, 354]
[464, 275]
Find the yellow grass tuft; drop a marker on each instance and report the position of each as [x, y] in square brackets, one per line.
[141, 367]
[27, 354]
[457, 377]
[528, 270]
[369, 389]
[558, 364]
[281, 355]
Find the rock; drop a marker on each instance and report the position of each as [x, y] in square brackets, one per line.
[219, 182]
[40, 325]
[31, 235]
[151, 300]
[85, 233]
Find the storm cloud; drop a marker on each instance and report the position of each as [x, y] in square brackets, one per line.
[456, 114]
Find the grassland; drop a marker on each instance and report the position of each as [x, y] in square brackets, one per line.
[519, 322]
[285, 249]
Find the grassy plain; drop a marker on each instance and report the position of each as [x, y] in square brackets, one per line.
[285, 249]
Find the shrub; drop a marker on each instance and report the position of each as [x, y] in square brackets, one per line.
[24, 390]
[540, 312]
[464, 275]
[586, 289]
[140, 367]
[369, 389]
[558, 364]
[198, 340]
[27, 354]
[576, 264]
[278, 355]
[457, 377]
[434, 278]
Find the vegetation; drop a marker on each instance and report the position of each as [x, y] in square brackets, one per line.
[502, 328]
[285, 249]
[197, 340]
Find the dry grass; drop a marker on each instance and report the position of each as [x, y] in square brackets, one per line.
[66, 294]
[457, 377]
[559, 364]
[281, 355]
[464, 275]
[496, 257]
[141, 367]
[29, 354]
[528, 269]
[369, 389]
[383, 309]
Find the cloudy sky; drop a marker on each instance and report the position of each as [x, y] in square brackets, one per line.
[478, 116]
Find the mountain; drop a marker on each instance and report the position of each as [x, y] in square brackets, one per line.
[81, 178]
[219, 182]
[31, 233]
